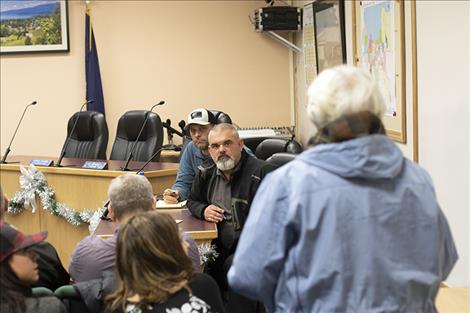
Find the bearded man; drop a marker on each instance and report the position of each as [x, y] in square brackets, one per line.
[222, 194]
[195, 156]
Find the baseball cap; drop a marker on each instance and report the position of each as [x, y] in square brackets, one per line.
[12, 240]
[200, 117]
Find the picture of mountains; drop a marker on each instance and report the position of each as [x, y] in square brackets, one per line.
[27, 9]
[26, 23]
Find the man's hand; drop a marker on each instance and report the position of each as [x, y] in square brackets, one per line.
[213, 214]
[171, 196]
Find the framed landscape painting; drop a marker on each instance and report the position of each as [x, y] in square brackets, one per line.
[33, 26]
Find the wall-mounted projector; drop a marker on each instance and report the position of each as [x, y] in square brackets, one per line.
[278, 18]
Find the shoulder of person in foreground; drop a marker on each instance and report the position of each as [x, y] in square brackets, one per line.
[204, 287]
[448, 252]
[91, 256]
[44, 305]
[93, 292]
[193, 252]
[258, 169]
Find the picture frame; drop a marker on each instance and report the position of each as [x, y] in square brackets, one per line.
[379, 48]
[330, 38]
[34, 26]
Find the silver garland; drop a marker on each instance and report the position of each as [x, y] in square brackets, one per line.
[34, 183]
[207, 253]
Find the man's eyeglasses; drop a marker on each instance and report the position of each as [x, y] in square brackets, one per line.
[225, 144]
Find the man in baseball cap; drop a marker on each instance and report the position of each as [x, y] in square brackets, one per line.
[199, 123]
[196, 154]
[200, 117]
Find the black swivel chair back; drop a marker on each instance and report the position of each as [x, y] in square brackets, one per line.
[281, 158]
[90, 137]
[149, 142]
[221, 117]
[273, 145]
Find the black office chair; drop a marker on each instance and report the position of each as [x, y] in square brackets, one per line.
[90, 137]
[221, 117]
[149, 142]
[71, 299]
[281, 158]
[273, 145]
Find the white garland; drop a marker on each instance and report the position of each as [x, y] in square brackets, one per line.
[34, 183]
[207, 253]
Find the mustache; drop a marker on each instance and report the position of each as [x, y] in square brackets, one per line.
[224, 157]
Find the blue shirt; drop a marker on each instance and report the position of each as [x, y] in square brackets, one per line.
[191, 159]
[345, 227]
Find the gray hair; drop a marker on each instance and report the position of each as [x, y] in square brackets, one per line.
[130, 194]
[340, 91]
[223, 127]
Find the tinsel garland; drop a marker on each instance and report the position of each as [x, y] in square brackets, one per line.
[207, 253]
[35, 183]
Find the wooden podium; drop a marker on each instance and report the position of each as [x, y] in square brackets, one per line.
[79, 189]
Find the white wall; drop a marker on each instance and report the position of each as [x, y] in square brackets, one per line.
[444, 115]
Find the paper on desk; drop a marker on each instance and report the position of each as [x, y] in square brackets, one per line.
[163, 205]
[178, 221]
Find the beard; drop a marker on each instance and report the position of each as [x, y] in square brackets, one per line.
[225, 163]
[202, 145]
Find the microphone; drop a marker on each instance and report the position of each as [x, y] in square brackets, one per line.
[131, 153]
[7, 151]
[182, 125]
[64, 149]
[176, 148]
[170, 147]
[169, 131]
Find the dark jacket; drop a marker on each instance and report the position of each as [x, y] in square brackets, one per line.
[94, 292]
[244, 184]
[52, 273]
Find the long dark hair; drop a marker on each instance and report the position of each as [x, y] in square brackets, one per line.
[13, 290]
[150, 259]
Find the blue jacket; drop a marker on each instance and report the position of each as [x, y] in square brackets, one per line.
[345, 227]
[191, 159]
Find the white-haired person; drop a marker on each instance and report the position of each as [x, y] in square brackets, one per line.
[350, 225]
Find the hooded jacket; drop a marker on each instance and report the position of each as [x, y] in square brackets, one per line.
[345, 227]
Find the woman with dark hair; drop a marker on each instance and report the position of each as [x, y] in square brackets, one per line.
[154, 272]
[18, 271]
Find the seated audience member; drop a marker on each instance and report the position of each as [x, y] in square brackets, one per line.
[18, 271]
[52, 273]
[129, 194]
[195, 155]
[160, 278]
[350, 225]
[223, 192]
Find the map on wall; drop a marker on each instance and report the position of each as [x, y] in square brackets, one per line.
[378, 48]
